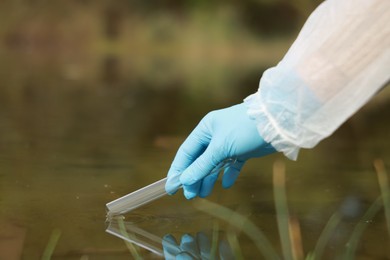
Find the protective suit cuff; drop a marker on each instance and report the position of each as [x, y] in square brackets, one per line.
[268, 129]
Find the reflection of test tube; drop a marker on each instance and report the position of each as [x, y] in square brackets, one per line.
[149, 193]
[135, 235]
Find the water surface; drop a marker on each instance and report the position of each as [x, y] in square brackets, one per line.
[67, 147]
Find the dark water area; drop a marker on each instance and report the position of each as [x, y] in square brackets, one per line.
[68, 146]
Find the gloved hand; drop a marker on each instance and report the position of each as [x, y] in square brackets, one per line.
[221, 134]
[194, 248]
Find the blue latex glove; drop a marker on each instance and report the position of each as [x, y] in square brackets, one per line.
[198, 247]
[189, 247]
[221, 134]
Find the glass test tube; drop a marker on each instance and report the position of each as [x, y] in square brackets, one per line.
[148, 194]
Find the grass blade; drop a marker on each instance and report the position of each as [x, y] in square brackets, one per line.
[51, 245]
[282, 213]
[132, 248]
[235, 245]
[241, 223]
[385, 190]
[214, 241]
[325, 236]
[294, 228]
[360, 227]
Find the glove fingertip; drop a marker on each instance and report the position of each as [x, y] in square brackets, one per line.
[229, 177]
[228, 184]
[189, 195]
[170, 192]
[169, 238]
[171, 187]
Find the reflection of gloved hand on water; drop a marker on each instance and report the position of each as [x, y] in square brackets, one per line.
[194, 248]
[221, 134]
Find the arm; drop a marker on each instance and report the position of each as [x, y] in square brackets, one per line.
[339, 60]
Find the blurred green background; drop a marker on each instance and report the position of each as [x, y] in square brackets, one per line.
[73, 69]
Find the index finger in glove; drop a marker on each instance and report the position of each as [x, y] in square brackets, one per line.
[195, 144]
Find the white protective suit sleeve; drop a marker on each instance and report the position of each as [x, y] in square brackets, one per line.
[340, 59]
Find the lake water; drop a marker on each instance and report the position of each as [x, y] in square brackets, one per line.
[69, 145]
